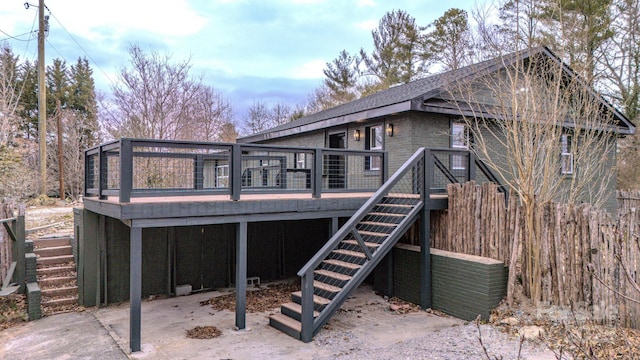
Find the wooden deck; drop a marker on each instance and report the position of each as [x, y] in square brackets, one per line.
[217, 209]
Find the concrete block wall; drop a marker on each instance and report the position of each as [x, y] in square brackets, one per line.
[28, 246]
[463, 286]
[34, 298]
[30, 266]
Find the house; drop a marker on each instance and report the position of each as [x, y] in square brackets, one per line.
[326, 197]
[425, 113]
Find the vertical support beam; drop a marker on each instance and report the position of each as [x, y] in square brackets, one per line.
[198, 172]
[317, 173]
[236, 172]
[19, 250]
[126, 170]
[241, 275]
[88, 251]
[135, 288]
[385, 167]
[334, 226]
[307, 307]
[102, 224]
[425, 235]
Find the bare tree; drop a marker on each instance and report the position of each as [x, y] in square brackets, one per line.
[157, 98]
[545, 133]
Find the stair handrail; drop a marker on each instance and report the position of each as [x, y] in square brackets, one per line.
[364, 210]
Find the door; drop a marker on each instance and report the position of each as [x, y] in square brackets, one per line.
[336, 167]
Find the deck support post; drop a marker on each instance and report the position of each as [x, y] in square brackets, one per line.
[425, 234]
[135, 288]
[126, 170]
[317, 174]
[334, 226]
[236, 172]
[241, 275]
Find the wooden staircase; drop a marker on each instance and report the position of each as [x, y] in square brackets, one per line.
[56, 272]
[354, 257]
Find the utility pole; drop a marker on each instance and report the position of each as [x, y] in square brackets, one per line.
[42, 103]
[60, 150]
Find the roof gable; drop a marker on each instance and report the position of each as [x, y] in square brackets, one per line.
[410, 96]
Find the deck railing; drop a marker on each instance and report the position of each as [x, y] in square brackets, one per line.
[129, 168]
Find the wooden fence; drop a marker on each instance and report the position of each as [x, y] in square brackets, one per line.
[6, 212]
[587, 258]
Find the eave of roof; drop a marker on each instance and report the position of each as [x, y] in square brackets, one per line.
[411, 96]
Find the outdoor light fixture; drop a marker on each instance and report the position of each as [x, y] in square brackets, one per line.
[356, 135]
[390, 130]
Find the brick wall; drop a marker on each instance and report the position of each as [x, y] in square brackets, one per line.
[462, 285]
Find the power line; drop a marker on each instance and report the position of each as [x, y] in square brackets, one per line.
[12, 37]
[83, 50]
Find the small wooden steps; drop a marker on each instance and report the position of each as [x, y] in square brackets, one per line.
[56, 273]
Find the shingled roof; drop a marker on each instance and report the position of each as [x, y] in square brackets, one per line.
[399, 98]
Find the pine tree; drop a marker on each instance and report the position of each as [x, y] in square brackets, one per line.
[341, 78]
[449, 42]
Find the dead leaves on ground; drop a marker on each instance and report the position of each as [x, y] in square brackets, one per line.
[259, 300]
[204, 332]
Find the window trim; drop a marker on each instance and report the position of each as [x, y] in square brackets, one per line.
[458, 159]
[567, 167]
[369, 137]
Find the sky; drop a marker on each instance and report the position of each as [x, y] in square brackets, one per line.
[270, 51]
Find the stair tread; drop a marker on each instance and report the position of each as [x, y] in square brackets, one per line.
[295, 307]
[396, 205]
[53, 291]
[59, 301]
[350, 253]
[342, 263]
[366, 243]
[287, 321]
[316, 298]
[326, 287]
[56, 257]
[377, 213]
[372, 233]
[376, 223]
[403, 196]
[55, 269]
[333, 274]
[53, 247]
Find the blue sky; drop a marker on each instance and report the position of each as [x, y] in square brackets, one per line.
[272, 51]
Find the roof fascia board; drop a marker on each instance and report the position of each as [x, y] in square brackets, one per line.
[335, 121]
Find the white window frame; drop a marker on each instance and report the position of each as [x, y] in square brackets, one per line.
[459, 140]
[375, 142]
[300, 160]
[222, 176]
[566, 155]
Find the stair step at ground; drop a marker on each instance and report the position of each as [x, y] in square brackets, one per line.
[62, 291]
[294, 311]
[318, 300]
[403, 196]
[55, 270]
[52, 260]
[48, 282]
[53, 251]
[51, 242]
[60, 301]
[286, 324]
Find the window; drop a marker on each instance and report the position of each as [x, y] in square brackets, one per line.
[300, 161]
[459, 140]
[373, 142]
[566, 163]
[222, 176]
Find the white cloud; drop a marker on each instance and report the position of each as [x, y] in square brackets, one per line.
[363, 3]
[308, 70]
[116, 17]
[367, 24]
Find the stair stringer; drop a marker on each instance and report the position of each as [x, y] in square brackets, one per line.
[365, 270]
